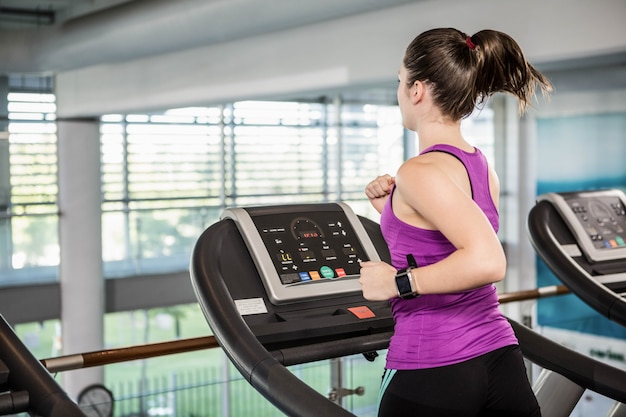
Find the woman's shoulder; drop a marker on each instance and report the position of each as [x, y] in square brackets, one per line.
[428, 175]
[432, 163]
[421, 173]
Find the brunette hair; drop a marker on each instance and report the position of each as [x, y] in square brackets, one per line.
[463, 71]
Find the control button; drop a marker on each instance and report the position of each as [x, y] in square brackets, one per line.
[289, 278]
[340, 272]
[314, 275]
[362, 312]
[304, 276]
[327, 272]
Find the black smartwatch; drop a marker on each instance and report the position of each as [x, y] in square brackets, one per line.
[404, 282]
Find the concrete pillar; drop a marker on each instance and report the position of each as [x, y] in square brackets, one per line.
[80, 238]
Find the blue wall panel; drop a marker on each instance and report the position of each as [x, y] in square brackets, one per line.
[578, 153]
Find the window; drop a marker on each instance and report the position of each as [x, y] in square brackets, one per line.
[29, 248]
[166, 177]
[479, 131]
[160, 181]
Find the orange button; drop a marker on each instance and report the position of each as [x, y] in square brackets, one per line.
[362, 312]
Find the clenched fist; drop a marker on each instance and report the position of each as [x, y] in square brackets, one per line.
[378, 281]
[378, 190]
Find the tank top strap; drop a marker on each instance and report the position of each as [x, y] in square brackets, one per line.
[477, 169]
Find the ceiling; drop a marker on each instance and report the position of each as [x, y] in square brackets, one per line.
[68, 22]
[58, 35]
[20, 14]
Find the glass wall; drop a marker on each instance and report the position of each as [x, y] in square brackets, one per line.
[166, 177]
[29, 246]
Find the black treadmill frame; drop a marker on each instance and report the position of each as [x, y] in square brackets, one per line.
[266, 371]
[548, 235]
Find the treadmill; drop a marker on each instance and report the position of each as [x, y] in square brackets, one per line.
[26, 385]
[581, 238]
[278, 286]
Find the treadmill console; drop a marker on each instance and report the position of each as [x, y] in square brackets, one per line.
[304, 254]
[597, 220]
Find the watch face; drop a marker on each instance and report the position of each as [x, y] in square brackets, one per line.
[96, 401]
[403, 283]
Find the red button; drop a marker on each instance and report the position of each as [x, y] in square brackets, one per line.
[362, 312]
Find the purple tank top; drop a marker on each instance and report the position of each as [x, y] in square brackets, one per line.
[443, 329]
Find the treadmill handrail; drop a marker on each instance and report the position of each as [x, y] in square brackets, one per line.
[26, 373]
[583, 370]
[275, 382]
[598, 296]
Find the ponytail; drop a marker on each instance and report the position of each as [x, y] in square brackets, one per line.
[464, 71]
[502, 67]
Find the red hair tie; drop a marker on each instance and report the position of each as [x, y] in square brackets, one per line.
[470, 44]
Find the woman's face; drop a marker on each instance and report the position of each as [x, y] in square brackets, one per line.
[403, 97]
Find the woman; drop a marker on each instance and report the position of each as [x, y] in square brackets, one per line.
[452, 353]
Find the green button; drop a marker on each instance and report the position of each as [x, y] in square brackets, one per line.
[327, 272]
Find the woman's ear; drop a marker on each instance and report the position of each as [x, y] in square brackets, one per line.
[418, 89]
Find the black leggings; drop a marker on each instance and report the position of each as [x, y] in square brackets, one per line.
[494, 384]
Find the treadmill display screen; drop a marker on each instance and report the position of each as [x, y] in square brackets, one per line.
[596, 219]
[603, 219]
[305, 251]
[311, 247]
